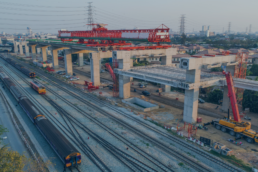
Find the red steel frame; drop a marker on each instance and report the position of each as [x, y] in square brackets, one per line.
[155, 35]
[232, 96]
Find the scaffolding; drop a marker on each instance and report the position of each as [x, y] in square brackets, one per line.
[240, 72]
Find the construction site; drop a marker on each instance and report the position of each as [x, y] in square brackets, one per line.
[165, 96]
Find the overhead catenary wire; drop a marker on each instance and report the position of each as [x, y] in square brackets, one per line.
[42, 6]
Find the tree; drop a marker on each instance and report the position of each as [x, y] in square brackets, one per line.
[254, 69]
[183, 39]
[215, 96]
[250, 100]
[216, 69]
[11, 160]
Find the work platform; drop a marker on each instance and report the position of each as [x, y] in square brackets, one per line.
[171, 76]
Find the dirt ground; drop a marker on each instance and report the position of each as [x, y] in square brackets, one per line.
[172, 116]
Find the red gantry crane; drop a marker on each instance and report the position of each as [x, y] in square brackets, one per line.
[108, 37]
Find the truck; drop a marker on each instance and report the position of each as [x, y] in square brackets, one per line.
[234, 126]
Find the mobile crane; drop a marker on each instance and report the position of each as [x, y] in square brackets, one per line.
[235, 127]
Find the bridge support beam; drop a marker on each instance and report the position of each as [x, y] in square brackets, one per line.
[54, 52]
[191, 96]
[33, 51]
[80, 59]
[68, 62]
[124, 87]
[95, 62]
[44, 53]
[21, 48]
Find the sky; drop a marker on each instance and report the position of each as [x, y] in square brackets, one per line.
[49, 16]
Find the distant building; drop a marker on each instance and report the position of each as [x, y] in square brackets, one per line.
[205, 32]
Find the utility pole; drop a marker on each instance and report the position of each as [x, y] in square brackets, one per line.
[250, 28]
[90, 15]
[182, 24]
[229, 25]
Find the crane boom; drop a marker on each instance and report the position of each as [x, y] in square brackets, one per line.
[232, 96]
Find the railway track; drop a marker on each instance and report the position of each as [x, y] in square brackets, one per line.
[178, 141]
[49, 115]
[129, 161]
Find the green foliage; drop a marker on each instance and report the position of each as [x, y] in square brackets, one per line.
[233, 160]
[2, 130]
[216, 69]
[11, 160]
[248, 73]
[254, 69]
[141, 63]
[215, 96]
[183, 39]
[181, 164]
[250, 100]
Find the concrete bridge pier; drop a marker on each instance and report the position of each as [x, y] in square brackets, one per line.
[44, 53]
[15, 47]
[124, 87]
[54, 52]
[80, 59]
[33, 51]
[68, 62]
[95, 62]
[20, 48]
[191, 96]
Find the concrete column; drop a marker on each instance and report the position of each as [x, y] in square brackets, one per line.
[68, 63]
[191, 105]
[95, 68]
[131, 63]
[226, 100]
[191, 97]
[167, 58]
[166, 88]
[38, 50]
[21, 49]
[33, 52]
[44, 53]
[55, 59]
[0, 41]
[80, 59]
[124, 87]
[15, 48]
[27, 50]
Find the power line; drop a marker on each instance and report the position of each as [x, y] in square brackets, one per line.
[40, 20]
[19, 9]
[39, 14]
[41, 29]
[15, 4]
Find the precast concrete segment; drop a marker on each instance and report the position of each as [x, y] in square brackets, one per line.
[226, 100]
[191, 105]
[68, 64]
[124, 87]
[190, 63]
[95, 68]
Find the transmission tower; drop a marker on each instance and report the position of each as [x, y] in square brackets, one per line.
[250, 28]
[90, 16]
[182, 24]
[229, 25]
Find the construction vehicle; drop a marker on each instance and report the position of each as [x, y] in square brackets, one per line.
[235, 127]
[221, 149]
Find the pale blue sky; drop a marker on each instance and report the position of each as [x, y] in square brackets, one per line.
[16, 15]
